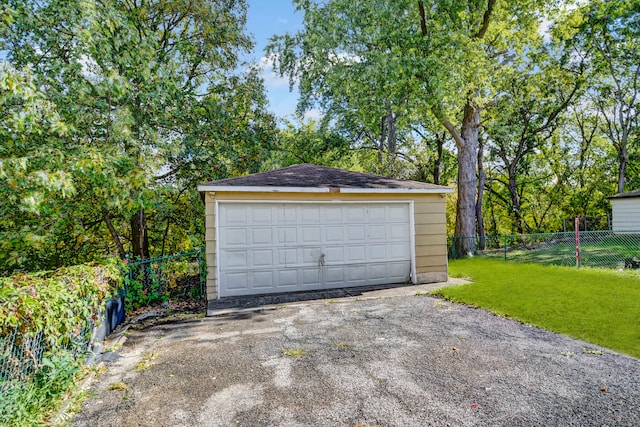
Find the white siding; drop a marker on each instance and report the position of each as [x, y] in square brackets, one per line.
[626, 214]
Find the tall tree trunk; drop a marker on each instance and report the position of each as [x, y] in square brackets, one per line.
[516, 205]
[437, 164]
[482, 177]
[467, 143]
[622, 168]
[391, 133]
[494, 221]
[383, 137]
[139, 236]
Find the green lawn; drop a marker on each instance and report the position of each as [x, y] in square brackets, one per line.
[595, 305]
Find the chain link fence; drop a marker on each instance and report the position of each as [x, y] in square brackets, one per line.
[604, 249]
[20, 357]
[21, 354]
[154, 281]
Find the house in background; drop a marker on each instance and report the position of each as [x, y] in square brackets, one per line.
[626, 211]
[309, 227]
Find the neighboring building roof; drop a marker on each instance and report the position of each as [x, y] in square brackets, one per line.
[312, 178]
[627, 195]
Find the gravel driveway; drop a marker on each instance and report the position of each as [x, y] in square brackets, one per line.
[401, 361]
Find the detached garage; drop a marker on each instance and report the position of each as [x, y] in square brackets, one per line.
[626, 211]
[309, 227]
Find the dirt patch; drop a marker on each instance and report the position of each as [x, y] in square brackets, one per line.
[408, 360]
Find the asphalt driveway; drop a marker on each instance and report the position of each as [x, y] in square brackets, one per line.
[407, 360]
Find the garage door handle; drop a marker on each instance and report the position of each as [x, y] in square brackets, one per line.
[321, 260]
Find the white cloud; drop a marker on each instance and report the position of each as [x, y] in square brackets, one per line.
[282, 21]
[271, 79]
[313, 114]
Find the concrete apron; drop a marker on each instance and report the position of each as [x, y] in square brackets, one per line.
[229, 305]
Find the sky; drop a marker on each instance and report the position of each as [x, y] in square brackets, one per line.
[266, 18]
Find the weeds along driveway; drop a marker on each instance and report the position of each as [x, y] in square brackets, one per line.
[403, 361]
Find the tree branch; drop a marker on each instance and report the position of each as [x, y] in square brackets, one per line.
[486, 19]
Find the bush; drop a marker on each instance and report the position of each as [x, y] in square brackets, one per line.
[46, 320]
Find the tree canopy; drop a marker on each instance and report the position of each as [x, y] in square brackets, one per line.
[112, 111]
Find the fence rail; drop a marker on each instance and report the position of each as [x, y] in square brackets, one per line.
[175, 277]
[605, 249]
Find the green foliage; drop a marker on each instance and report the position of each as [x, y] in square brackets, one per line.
[31, 403]
[308, 143]
[58, 304]
[599, 306]
[175, 278]
[123, 110]
[55, 308]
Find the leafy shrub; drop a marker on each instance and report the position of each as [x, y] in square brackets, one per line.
[45, 322]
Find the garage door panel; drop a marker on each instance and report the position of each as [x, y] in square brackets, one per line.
[397, 213]
[311, 235]
[309, 214]
[283, 247]
[236, 215]
[378, 272]
[398, 252]
[335, 275]
[333, 233]
[378, 252]
[287, 257]
[235, 259]
[377, 214]
[262, 236]
[355, 214]
[310, 276]
[356, 233]
[311, 255]
[334, 255]
[356, 274]
[355, 254]
[234, 237]
[399, 270]
[236, 281]
[287, 235]
[334, 214]
[398, 232]
[377, 232]
[262, 258]
[286, 214]
[263, 280]
[261, 214]
[287, 278]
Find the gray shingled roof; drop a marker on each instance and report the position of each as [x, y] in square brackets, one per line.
[628, 194]
[313, 176]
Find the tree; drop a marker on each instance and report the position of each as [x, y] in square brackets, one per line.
[607, 34]
[152, 100]
[534, 90]
[434, 57]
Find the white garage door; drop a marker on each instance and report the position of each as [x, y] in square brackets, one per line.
[284, 247]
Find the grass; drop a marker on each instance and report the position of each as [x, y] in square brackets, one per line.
[597, 249]
[146, 363]
[596, 305]
[296, 353]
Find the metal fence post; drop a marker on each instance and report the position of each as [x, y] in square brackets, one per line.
[453, 247]
[577, 227]
[505, 247]
[200, 266]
